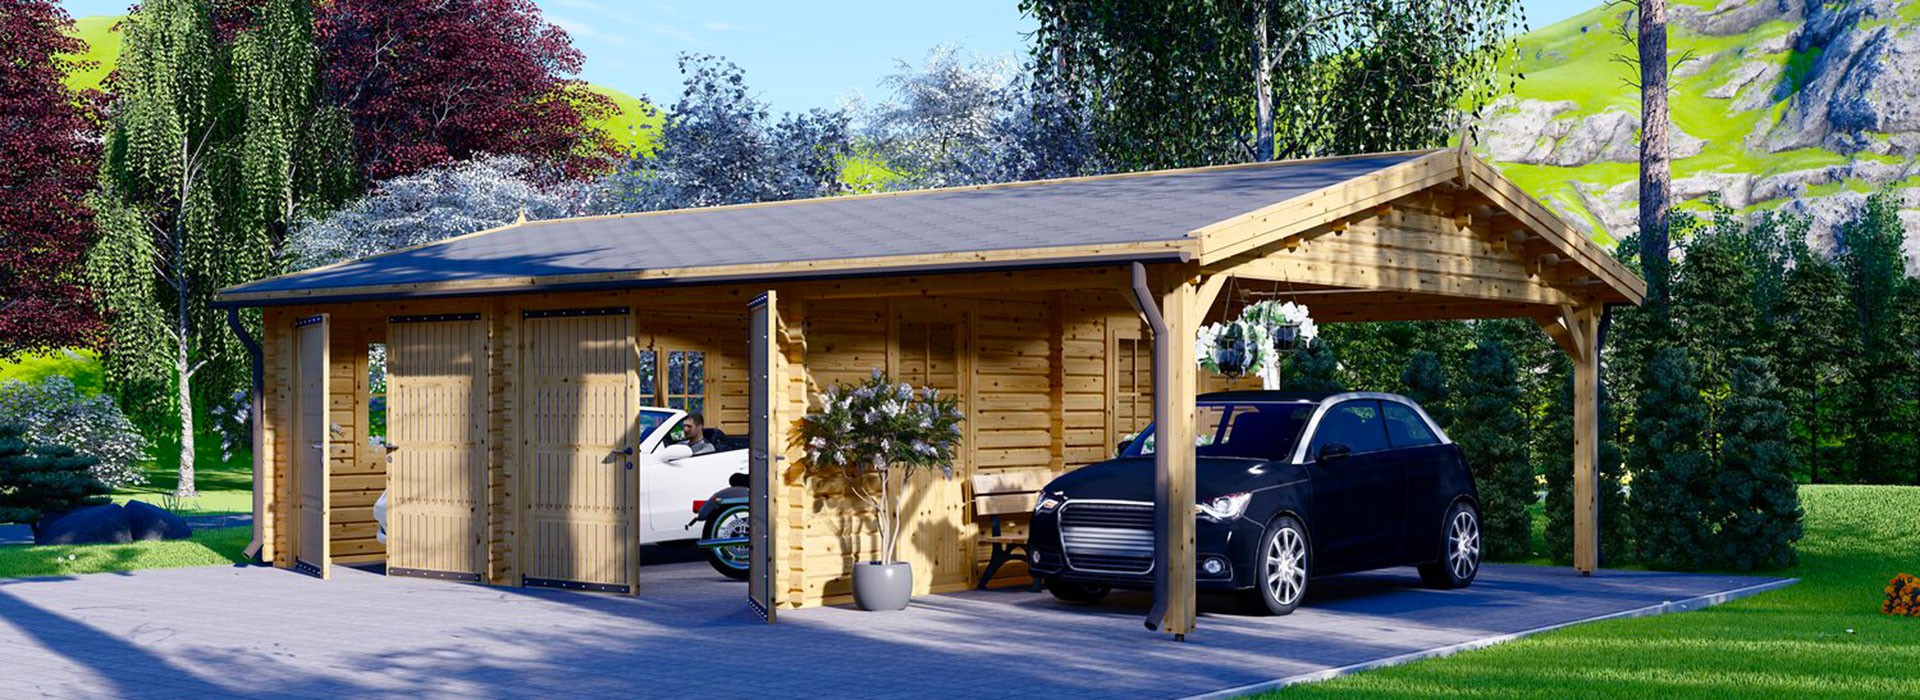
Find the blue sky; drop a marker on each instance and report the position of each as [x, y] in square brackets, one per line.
[797, 55]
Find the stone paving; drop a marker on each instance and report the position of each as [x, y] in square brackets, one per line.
[224, 631]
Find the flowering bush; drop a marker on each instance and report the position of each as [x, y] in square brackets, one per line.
[879, 434]
[1903, 596]
[55, 412]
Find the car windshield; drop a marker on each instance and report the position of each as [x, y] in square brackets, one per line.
[1247, 430]
[651, 419]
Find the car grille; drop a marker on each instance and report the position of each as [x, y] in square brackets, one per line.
[1107, 537]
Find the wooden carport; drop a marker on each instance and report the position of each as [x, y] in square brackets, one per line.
[1032, 301]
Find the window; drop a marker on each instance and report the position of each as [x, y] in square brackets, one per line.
[687, 380]
[1131, 386]
[649, 378]
[1356, 424]
[377, 393]
[1405, 427]
[1248, 430]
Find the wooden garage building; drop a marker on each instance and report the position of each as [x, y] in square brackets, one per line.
[518, 356]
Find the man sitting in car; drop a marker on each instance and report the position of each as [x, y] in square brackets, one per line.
[694, 432]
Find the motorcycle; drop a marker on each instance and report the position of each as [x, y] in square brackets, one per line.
[728, 522]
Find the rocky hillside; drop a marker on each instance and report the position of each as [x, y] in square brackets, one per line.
[1794, 105]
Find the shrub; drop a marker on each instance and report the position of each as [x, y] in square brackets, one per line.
[1903, 596]
[1490, 429]
[55, 412]
[1673, 472]
[43, 479]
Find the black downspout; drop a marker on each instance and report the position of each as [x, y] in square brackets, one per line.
[252, 345]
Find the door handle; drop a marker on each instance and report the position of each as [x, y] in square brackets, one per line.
[316, 445]
[628, 450]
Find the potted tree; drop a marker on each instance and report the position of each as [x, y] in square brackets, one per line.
[875, 437]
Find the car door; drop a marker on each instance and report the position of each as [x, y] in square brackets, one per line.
[1356, 518]
[1422, 461]
[677, 483]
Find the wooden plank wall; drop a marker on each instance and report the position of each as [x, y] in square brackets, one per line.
[357, 469]
[722, 335]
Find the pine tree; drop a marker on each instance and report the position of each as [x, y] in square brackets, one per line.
[1757, 507]
[1671, 467]
[45, 479]
[1883, 371]
[1491, 432]
[1715, 312]
[1817, 347]
[1556, 457]
[203, 171]
[1312, 368]
[1425, 382]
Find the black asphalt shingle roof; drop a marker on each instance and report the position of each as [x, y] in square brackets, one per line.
[1143, 208]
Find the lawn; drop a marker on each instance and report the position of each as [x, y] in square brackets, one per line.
[205, 548]
[1822, 638]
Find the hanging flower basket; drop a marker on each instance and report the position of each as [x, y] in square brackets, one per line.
[1256, 342]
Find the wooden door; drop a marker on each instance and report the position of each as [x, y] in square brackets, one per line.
[436, 425]
[931, 348]
[312, 430]
[580, 487]
[762, 399]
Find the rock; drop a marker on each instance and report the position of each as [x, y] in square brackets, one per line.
[1752, 82]
[1736, 16]
[1523, 131]
[1858, 94]
[1614, 136]
[150, 522]
[89, 525]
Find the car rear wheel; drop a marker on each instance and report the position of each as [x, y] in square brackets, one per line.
[731, 561]
[1459, 550]
[1070, 592]
[1282, 569]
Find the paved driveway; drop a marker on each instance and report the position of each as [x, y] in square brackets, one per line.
[256, 631]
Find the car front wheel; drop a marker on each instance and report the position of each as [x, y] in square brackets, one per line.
[1459, 551]
[1282, 567]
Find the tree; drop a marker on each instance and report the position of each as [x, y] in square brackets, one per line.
[439, 203]
[958, 120]
[1490, 429]
[1355, 75]
[1673, 472]
[1814, 323]
[197, 185]
[50, 136]
[1883, 371]
[719, 146]
[1313, 367]
[1715, 301]
[1656, 171]
[1757, 509]
[43, 479]
[428, 82]
[1425, 382]
[53, 411]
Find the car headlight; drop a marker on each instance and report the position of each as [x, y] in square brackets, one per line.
[1047, 504]
[1225, 507]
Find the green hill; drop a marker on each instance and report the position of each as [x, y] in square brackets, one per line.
[632, 125]
[1778, 104]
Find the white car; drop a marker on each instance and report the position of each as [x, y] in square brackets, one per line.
[674, 481]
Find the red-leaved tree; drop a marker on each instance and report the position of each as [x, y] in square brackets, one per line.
[49, 155]
[428, 82]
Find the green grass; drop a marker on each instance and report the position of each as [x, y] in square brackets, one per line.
[225, 485]
[634, 125]
[205, 548]
[81, 366]
[103, 50]
[1822, 638]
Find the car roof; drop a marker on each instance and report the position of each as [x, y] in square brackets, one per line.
[1263, 395]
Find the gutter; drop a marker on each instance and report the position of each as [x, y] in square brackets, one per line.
[320, 296]
[252, 345]
[1144, 299]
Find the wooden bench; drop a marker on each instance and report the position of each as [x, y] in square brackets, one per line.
[998, 496]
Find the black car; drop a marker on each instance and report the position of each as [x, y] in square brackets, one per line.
[1290, 486]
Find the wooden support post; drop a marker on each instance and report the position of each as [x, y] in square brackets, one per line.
[1175, 317]
[1584, 322]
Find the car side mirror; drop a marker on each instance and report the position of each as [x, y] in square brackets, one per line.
[1333, 452]
[1121, 448]
[674, 452]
